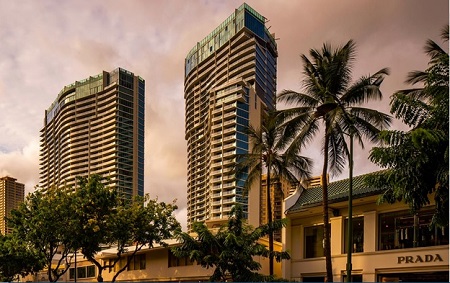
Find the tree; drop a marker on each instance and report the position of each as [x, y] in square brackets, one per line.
[417, 159]
[268, 153]
[231, 250]
[16, 259]
[42, 223]
[102, 216]
[148, 222]
[330, 97]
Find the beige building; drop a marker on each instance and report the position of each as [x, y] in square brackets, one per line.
[12, 194]
[384, 246]
[96, 126]
[230, 79]
[156, 264]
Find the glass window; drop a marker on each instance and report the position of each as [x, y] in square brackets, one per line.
[91, 271]
[137, 263]
[81, 272]
[72, 273]
[399, 230]
[178, 261]
[358, 234]
[314, 241]
[355, 278]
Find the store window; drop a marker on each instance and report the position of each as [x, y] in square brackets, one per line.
[358, 234]
[400, 230]
[437, 276]
[314, 241]
[355, 278]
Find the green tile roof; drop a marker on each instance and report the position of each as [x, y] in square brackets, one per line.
[337, 192]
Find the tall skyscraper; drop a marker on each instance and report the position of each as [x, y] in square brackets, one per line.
[11, 195]
[96, 126]
[230, 80]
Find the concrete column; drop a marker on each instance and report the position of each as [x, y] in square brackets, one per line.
[336, 235]
[286, 246]
[370, 232]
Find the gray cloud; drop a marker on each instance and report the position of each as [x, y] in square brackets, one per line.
[48, 44]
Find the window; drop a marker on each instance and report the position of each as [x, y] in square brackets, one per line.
[137, 263]
[401, 229]
[175, 261]
[82, 272]
[358, 234]
[355, 278]
[314, 241]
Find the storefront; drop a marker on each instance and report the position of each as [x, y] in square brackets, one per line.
[389, 243]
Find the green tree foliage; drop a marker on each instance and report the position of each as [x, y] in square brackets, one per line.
[417, 159]
[231, 249]
[40, 223]
[331, 99]
[89, 218]
[268, 155]
[16, 259]
[103, 219]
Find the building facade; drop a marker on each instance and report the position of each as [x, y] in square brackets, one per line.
[12, 194]
[155, 264]
[389, 243]
[230, 80]
[96, 126]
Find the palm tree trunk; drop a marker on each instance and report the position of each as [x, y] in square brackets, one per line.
[326, 225]
[269, 218]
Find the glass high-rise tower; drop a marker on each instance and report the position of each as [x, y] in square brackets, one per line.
[230, 81]
[96, 126]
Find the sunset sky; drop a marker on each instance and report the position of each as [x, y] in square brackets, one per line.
[45, 45]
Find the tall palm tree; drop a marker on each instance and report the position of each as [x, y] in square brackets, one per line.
[331, 99]
[426, 110]
[268, 155]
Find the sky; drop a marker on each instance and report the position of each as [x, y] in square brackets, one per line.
[45, 45]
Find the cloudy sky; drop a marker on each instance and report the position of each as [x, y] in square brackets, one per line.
[45, 45]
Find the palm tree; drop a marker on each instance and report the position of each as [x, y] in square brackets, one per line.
[230, 250]
[426, 110]
[332, 100]
[268, 153]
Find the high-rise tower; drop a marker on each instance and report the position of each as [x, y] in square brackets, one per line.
[230, 80]
[12, 194]
[96, 126]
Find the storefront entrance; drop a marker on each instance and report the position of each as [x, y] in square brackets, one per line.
[440, 276]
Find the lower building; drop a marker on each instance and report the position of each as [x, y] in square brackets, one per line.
[12, 194]
[156, 264]
[389, 243]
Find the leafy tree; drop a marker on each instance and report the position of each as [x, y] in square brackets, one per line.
[16, 259]
[148, 222]
[331, 99]
[268, 153]
[105, 219]
[42, 223]
[417, 159]
[231, 250]
[93, 207]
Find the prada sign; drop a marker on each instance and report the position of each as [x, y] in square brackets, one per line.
[419, 258]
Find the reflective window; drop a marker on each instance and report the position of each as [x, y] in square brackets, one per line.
[313, 241]
[358, 234]
[399, 230]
